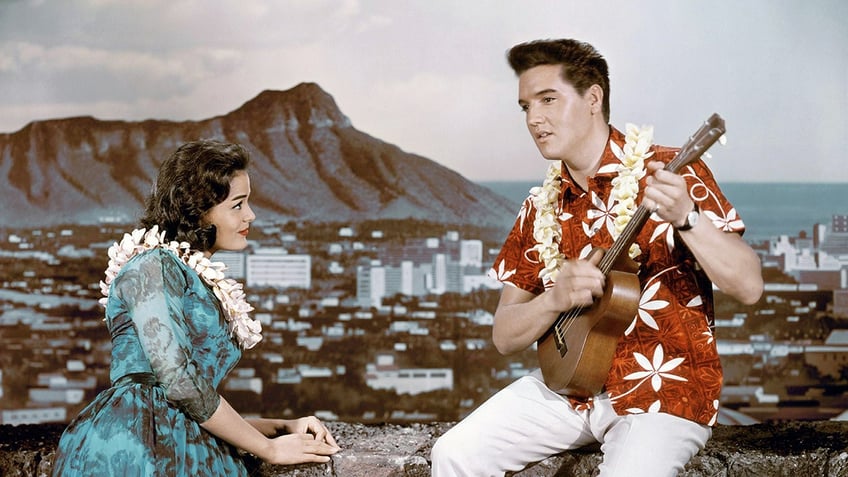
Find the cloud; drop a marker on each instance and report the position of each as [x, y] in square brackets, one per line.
[431, 76]
[75, 73]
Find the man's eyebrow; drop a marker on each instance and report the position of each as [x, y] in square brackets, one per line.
[539, 93]
[545, 91]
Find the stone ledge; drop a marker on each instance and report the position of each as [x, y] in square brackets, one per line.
[801, 448]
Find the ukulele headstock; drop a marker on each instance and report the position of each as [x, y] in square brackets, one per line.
[707, 135]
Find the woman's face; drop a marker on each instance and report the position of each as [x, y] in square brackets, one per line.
[232, 217]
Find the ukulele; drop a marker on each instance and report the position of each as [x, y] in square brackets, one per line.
[575, 353]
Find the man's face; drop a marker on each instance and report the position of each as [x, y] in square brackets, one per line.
[559, 119]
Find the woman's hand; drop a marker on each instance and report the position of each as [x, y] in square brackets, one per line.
[307, 439]
[294, 441]
[311, 425]
[299, 448]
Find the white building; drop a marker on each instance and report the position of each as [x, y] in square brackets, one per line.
[374, 281]
[384, 374]
[244, 384]
[840, 302]
[307, 371]
[235, 262]
[440, 274]
[273, 267]
[471, 253]
[822, 259]
[52, 396]
[288, 376]
[39, 415]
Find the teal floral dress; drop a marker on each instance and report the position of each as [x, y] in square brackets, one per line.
[170, 350]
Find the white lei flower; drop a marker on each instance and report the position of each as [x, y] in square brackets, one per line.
[247, 331]
[547, 230]
[625, 188]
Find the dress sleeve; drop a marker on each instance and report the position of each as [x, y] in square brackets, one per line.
[152, 286]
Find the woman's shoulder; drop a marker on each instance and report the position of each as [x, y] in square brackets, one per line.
[154, 269]
[156, 261]
[156, 255]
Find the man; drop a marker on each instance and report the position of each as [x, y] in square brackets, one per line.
[661, 393]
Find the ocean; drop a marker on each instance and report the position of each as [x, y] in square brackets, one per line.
[768, 209]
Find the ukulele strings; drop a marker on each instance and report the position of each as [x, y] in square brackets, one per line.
[566, 319]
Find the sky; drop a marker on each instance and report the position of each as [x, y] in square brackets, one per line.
[430, 76]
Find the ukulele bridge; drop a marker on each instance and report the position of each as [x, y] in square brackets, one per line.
[560, 344]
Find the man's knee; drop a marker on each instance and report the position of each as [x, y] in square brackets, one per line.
[444, 450]
[451, 452]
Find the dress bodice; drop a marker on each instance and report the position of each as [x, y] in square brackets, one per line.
[165, 320]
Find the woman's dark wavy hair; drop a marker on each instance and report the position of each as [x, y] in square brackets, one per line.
[195, 178]
[582, 65]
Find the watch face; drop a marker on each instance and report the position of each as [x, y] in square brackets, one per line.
[692, 218]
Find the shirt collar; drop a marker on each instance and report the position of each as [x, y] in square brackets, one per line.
[609, 162]
[606, 168]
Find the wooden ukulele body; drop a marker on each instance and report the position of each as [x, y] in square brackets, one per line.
[590, 339]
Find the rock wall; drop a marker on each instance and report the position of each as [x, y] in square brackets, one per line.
[796, 449]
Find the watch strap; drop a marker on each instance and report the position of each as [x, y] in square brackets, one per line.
[687, 224]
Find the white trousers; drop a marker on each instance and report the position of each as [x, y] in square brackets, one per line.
[526, 422]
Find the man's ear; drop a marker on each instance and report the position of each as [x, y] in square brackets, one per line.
[595, 95]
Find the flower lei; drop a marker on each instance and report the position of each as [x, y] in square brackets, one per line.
[229, 292]
[547, 231]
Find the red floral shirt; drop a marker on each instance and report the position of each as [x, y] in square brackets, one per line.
[667, 360]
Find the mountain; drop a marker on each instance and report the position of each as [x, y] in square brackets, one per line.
[308, 163]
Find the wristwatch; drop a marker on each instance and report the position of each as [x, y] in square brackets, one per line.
[691, 219]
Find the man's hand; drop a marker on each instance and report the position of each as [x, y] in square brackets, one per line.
[578, 282]
[666, 194]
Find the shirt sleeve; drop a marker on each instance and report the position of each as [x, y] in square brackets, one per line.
[152, 286]
[710, 200]
[518, 264]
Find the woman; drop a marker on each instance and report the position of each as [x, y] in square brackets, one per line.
[177, 327]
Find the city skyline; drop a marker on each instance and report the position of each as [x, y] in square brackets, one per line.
[421, 298]
[432, 79]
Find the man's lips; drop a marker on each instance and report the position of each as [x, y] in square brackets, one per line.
[543, 134]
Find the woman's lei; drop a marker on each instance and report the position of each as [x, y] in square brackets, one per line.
[247, 331]
[547, 231]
